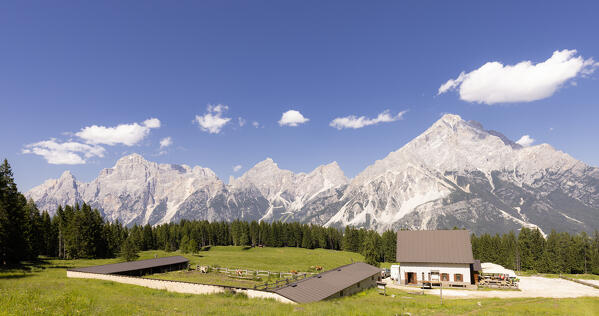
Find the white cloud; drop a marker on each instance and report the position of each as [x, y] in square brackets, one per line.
[152, 123]
[67, 153]
[241, 121]
[353, 121]
[126, 134]
[237, 168]
[523, 82]
[525, 141]
[292, 118]
[212, 122]
[165, 142]
[255, 124]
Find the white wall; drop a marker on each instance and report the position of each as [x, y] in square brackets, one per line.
[354, 288]
[174, 286]
[449, 268]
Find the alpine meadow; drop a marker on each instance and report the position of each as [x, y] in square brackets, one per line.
[299, 157]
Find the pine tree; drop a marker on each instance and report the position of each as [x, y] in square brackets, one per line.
[306, 237]
[148, 237]
[15, 245]
[129, 250]
[389, 241]
[34, 234]
[4, 243]
[524, 248]
[510, 246]
[50, 237]
[370, 250]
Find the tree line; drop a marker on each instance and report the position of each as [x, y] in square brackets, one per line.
[80, 232]
[191, 236]
[530, 250]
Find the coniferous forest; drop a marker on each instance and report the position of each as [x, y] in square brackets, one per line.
[78, 231]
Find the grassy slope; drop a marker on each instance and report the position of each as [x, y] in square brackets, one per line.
[46, 290]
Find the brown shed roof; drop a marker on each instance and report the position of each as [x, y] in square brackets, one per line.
[133, 265]
[439, 246]
[325, 284]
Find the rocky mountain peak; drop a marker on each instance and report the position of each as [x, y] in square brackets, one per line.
[67, 175]
[332, 172]
[134, 158]
[267, 163]
[451, 119]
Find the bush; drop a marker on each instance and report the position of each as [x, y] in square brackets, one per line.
[129, 250]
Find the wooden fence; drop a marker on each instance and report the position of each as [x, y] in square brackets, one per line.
[251, 273]
[279, 283]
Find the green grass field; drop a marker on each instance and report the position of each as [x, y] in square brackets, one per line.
[271, 259]
[43, 288]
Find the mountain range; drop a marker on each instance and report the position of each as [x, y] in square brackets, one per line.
[456, 173]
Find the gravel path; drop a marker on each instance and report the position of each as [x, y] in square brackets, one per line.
[529, 287]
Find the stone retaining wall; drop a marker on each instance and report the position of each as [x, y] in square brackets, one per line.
[580, 281]
[179, 287]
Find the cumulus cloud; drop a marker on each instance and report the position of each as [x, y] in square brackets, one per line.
[255, 124]
[77, 152]
[152, 123]
[353, 121]
[292, 118]
[523, 82]
[165, 142]
[126, 134]
[213, 121]
[241, 121]
[237, 168]
[525, 141]
[67, 153]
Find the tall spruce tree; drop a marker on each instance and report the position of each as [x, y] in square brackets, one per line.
[389, 242]
[370, 249]
[14, 220]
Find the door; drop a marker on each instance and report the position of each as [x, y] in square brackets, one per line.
[412, 278]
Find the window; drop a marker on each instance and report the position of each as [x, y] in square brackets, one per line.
[458, 277]
[444, 277]
[358, 284]
[341, 293]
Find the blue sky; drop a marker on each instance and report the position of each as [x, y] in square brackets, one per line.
[67, 66]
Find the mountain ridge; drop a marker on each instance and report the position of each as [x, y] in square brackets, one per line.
[455, 173]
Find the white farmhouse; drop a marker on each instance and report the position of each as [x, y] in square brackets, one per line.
[435, 257]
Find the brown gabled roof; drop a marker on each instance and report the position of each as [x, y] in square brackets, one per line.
[325, 284]
[437, 246]
[133, 265]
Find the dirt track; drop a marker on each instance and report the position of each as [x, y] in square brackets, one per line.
[529, 287]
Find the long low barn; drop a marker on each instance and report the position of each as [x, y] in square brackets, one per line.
[341, 281]
[140, 267]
